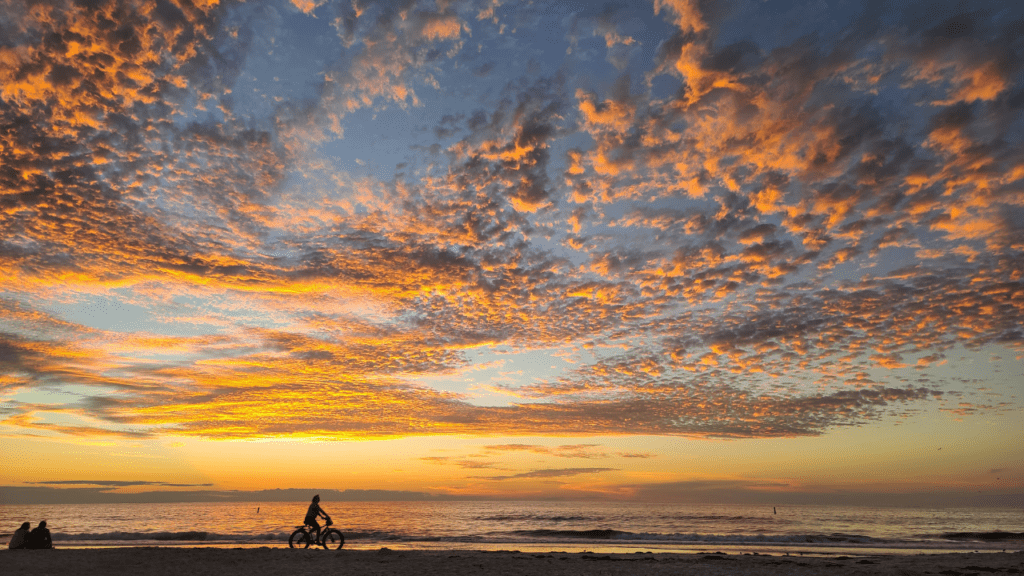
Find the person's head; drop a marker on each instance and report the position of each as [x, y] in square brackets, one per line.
[42, 524]
[316, 498]
[25, 525]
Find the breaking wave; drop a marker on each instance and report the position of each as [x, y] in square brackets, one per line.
[169, 537]
[606, 534]
[552, 535]
[984, 536]
[538, 517]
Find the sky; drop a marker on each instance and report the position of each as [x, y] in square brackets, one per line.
[708, 251]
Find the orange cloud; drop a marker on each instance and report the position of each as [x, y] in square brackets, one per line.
[763, 250]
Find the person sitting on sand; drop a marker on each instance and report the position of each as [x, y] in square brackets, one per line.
[18, 539]
[311, 515]
[39, 538]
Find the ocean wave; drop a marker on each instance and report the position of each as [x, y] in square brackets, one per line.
[378, 536]
[541, 518]
[607, 534]
[199, 536]
[699, 517]
[600, 534]
[192, 536]
[983, 536]
[579, 518]
[555, 535]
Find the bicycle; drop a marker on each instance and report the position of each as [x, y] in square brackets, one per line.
[329, 538]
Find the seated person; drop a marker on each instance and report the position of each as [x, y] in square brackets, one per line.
[18, 539]
[39, 538]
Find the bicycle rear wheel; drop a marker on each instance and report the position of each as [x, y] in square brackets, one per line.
[333, 540]
[298, 539]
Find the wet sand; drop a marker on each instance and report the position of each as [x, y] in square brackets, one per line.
[277, 561]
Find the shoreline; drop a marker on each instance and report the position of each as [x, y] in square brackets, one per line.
[266, 561]
[594, 547]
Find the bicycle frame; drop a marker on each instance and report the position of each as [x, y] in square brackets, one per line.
[316, 536]
[319, 533]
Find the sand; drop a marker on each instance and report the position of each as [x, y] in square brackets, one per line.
[278, 561]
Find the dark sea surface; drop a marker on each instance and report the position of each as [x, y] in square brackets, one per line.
[566, 526]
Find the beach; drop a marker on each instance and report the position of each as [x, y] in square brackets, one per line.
[158, 561]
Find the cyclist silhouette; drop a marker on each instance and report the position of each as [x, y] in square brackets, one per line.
[313, 513]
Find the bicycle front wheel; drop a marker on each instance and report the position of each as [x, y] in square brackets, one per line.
[298, 539]
[333, 540]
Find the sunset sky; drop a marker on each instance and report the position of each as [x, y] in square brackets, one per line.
[681, 250]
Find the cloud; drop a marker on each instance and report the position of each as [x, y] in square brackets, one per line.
[105, 495]
[551, 473]
[114, 483]
[767, 248]
[564, 451]
[465, 463]
[392, 49]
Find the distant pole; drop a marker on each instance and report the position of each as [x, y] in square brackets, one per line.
[257, 509]
[774, 511]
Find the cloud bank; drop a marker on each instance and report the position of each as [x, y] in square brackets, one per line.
[726, 234]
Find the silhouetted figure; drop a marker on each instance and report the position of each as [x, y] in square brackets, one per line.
[39, 538]
[18, 539]
[313, 513]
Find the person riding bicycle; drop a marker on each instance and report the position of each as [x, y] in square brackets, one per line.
[311, 515]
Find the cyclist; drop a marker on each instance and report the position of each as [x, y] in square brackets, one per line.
[313, 513]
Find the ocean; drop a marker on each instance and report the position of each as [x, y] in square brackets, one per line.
[537, 526]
